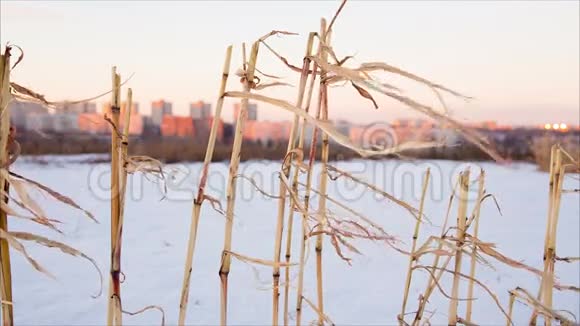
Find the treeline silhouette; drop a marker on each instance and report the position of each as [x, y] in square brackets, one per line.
[173, 150]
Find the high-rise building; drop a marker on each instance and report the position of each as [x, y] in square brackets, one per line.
[203, 127]
[252, 111]
[159, 109]
[84, 107]
[150, 129]
[93, 123]
[267, 131]
[66, 122]
[174, 126]
[200, 110]
[57, 122]
[19, 111]
[41, 122]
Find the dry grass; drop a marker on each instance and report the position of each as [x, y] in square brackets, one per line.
[559, 161]
[340, 231]
[5, 268]
[27, 208]
[23, 205]
[342, 228]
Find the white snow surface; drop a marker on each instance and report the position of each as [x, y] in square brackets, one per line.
[369, 292]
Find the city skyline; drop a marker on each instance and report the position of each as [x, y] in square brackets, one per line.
[176, 52]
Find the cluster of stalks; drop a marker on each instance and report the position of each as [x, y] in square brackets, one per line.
[465, 243]
[27, 208]
[24, 205]
[292, 148]
[121, 165]
[560, 160]
[456, 249]
[325, 69]
[119, 148]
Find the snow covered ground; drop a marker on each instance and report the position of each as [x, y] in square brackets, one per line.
[368, 292]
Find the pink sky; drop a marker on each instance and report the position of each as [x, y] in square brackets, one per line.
[518, 59]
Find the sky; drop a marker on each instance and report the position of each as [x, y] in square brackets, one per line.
[518, 59]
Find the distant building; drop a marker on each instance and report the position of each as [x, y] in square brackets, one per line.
[85, 107]
[174, 126]
[20, 110]
[203, 127]
[267, 131]
[228, 135]
[446, 136]
[149, 128]
[40, 122]
[65, 122]
[160, 109]
[489, 125]
[93, 123]
[136, 125]
[200, 110]
[58, 122]
[413, 130]
[252, 111]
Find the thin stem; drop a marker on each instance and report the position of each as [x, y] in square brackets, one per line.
[201, 190]
[305, 231]
[480, 194]
[122, 162]
[412, 257]
[123, 152]
[114, 284]
[231, 184]
[323, 101]
[510, 309]
[5, 268]
[282, 192]
[433, 281]
[461, 220]
[534, 316]
[550, 260]
[295, 190]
